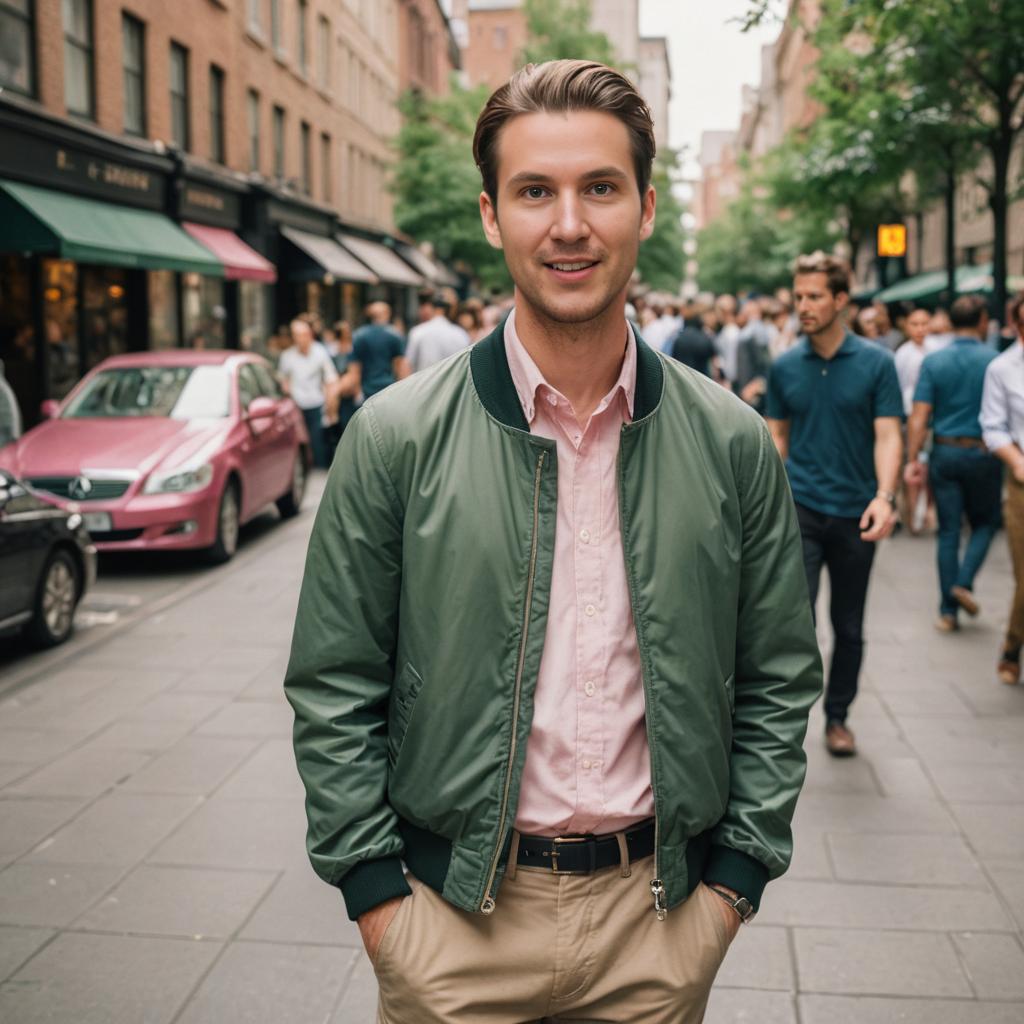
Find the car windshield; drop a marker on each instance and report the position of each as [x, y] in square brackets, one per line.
[176, 392]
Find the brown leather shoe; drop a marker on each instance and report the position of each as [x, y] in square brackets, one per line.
[839, 740]
[1008, 672]
[965, 599]
[946, 624]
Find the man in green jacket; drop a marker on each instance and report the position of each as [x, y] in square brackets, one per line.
[554, 650]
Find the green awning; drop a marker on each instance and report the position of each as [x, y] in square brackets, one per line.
[40, 220]
[969, 279]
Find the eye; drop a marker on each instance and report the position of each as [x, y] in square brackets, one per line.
[535, 192]
[602, 188]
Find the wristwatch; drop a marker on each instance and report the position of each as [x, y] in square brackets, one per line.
[888, 495]
[743, 907]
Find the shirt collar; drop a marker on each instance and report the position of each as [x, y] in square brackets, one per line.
[847, 348]
[528, 379]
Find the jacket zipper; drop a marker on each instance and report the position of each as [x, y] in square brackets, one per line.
[488, 904]
[657, 884]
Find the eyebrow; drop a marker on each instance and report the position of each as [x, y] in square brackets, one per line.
[535, 177]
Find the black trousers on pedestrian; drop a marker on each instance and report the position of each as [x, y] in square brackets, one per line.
[834, 541]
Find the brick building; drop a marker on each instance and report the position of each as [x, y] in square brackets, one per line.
[235, 152]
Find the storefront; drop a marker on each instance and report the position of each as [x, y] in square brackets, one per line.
[398, 282]
[88, 255]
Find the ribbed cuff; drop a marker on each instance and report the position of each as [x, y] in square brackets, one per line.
[371, 882]
[737, 871]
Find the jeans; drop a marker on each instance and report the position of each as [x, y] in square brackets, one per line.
[315, 428]
[965, 481]
[834, 541]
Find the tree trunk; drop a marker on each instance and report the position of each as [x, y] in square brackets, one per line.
[998, 201]
[950, 198]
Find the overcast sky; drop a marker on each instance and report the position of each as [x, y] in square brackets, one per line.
[711, 59]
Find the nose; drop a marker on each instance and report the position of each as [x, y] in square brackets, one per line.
[570, 223]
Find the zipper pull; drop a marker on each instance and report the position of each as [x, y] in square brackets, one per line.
[658, 892]
[487, 907]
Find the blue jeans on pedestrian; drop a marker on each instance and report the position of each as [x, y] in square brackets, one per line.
[966, 482]
[315, 428]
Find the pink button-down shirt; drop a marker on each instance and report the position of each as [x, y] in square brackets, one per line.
[588, 765]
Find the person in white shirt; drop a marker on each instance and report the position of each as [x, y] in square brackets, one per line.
[662, 330]
[909, 356]
[306, 370]
[728, 339]
[435, 339]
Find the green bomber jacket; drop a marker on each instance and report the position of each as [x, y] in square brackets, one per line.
[421, 621]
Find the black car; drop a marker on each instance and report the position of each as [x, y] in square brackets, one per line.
[47, 562]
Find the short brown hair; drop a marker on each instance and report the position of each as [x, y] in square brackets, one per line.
[967, 311]
[557, 87]
[836, 271]
[1017, 309]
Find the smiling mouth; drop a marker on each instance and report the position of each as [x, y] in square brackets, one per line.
[569, 266]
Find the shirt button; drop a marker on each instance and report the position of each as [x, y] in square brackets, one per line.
[824, 373]
[585, 536]
[596, 764]
[586, 764]
[590, 610]
[589, 688]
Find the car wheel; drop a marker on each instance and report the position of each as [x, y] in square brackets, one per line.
[290, 502]
[228, 523]
[59, 591]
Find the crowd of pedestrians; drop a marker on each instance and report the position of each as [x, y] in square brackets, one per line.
[887, 419]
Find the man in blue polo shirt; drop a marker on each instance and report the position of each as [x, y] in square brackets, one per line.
[966, 479]
[834, 410]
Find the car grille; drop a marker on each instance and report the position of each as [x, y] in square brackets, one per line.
[112, 535]
[102, 490]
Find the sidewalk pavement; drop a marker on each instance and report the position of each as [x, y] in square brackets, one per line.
[151, 829]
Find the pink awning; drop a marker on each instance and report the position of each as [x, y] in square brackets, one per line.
[241, 262]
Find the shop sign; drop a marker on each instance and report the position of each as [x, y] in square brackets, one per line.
[207, 205]
[47, 162]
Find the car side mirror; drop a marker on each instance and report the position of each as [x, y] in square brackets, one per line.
[49, 409]
[261, 408]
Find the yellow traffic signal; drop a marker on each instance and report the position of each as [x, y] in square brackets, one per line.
[892, 240]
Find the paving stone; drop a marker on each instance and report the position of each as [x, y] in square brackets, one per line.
[926, 700]
[88, 771]
[17, 945]
[51, 894]
[270, 774]
[759, 958]
[852, 905]
[1009, 880]
[980, 782]
[303, 908]
[836, 775]
[903, 777]
[215, 680]
[358, 1003]
[815, 1009]
[995, 964]
[810, 856]
[250, 718]
[911, 860]
[24, 822]
[256, 834]
[878, 963]
[255, 982]
[150, 736]
[856, 813]
[35, 746]
[197, 764]
[105, 979]
[11, 771]
[994, 830]
[739, 1006]
[119, 828]
[193, 708]
[187, 902]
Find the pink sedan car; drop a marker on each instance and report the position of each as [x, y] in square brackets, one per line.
[169, 450]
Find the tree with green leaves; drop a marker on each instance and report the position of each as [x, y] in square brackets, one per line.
[560, 30]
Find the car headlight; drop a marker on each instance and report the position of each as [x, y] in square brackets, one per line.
[179, 481]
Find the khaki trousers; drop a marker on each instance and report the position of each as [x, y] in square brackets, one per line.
[572, 947]
[1013, 520]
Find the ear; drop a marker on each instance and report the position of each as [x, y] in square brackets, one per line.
[647, 213]
[489, 218]
[842, 301]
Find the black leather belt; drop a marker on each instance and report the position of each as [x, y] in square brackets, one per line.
[961, 442]
[583, 854]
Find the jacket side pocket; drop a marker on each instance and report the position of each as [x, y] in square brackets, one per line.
[404, 692]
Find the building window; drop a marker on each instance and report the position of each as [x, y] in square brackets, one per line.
[252, 102]
[133, 50]
[326, 171]
[216, 114]
[323, 53]
[256, 16]
[278, 142]
[307, 171]
[500, 37]
[276, 38]
[79, 94]
[179, 96]
[300, 39]
[16, 46]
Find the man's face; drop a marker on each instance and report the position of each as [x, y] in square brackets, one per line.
[917, 325]
[302, 335]
[815, 304]
[569, 216]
